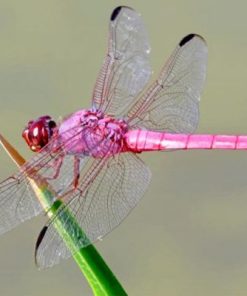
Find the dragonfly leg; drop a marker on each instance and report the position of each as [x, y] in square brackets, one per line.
[75, 182]
[56, 166]
[76, 171]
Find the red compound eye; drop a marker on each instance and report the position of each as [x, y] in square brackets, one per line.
[38, 132]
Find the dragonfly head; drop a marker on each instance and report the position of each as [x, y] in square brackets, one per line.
[38, 132]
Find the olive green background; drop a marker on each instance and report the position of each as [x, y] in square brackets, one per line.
[188, 236]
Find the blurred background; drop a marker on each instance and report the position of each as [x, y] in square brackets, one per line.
[188, 236]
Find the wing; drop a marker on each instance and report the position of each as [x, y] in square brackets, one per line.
[126, 68]
[18, 201]
[110, 189]
[171, 104]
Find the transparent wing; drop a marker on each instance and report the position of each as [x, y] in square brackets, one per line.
[171, 104]
[53, 164]
[110, 188]
[18, 202]
[126, 68]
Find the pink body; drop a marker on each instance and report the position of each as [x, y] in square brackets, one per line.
[98, 135]
[141, 140]
[91, 133]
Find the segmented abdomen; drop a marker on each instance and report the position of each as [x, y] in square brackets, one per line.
[141, 140]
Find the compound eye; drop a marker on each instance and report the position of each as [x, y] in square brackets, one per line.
[35, 132]
[38, 133]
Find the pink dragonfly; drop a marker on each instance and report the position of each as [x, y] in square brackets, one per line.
[91, 158]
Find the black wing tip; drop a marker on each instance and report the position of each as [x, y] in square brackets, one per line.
[38, 242]
[188, 37]
[117, 10]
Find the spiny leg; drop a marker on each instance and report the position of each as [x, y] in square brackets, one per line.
[56, 165]
[76, 171]
[75, 181]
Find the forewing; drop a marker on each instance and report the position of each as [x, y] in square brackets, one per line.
[111, 188]
[171, 104]
[126, 68]
[18, 201]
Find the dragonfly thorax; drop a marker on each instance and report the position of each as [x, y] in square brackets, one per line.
[90, 118]
[107, 133]
[93, 133]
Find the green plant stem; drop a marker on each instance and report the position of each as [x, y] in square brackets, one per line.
[99, 276]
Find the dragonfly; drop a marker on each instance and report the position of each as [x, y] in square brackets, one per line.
[91, 158]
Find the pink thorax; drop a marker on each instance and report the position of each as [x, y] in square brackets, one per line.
[92, 133]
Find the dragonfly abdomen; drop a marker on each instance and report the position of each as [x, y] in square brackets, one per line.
[141, 140]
